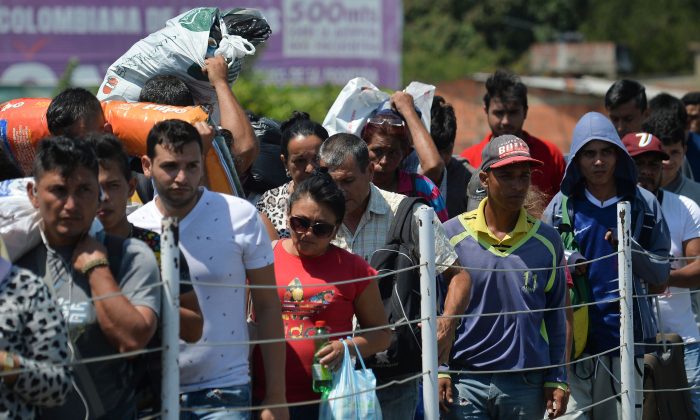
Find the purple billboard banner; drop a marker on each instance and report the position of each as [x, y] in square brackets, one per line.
[313, 41]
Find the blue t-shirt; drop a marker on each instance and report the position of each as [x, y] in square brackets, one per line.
[591, 222]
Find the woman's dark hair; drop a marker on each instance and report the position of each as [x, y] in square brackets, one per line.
[299, 124]
[321, 188]
[443, 124]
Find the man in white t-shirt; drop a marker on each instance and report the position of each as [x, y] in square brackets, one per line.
[224, 242]
[683, 218]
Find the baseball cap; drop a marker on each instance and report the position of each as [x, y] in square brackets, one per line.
[475, 192]
[506, 150]
[639, 143]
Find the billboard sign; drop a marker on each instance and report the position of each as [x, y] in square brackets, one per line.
[313, 41]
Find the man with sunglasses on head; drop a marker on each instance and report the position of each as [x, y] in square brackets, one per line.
[369, 212]
[224, 242]
[505, 105]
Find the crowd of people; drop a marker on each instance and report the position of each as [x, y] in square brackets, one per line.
[509, 212]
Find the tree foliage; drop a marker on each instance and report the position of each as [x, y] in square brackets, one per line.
[448, 39]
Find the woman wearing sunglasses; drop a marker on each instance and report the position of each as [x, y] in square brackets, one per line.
[301, 139]
[308, 266]
[388, 135]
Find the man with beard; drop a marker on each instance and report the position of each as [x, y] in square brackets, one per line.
[224, 242]
[683, 218]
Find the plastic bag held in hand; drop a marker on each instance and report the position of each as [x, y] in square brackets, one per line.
[19, 220]
[180, 48]
[352, 396]
[360, 99]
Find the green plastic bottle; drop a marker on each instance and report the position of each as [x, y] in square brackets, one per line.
[320, 375]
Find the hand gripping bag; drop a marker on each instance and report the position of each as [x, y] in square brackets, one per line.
[360, 99]
[180, 48]
[353, 396]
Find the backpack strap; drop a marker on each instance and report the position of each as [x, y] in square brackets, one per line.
[115, 253]
[401, 225]
[566, 225]
[642, 214]
[144, 187]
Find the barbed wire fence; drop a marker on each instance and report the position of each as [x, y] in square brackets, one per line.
[170, 345]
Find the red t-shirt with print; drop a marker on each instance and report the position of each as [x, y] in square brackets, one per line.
[303, 306]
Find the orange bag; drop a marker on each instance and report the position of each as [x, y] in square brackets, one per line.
[131, 122]
[22, 125]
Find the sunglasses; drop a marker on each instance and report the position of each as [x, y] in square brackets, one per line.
[394, 122]
[302, 225]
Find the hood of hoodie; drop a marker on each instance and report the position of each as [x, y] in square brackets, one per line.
[596, 126]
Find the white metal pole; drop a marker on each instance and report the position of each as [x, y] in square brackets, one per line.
[426, 243]
[170, 273]
[624, 267]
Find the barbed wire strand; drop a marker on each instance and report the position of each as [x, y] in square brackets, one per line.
[312, 337]
[309, 402]
[662, 257]
[52, 304]
[517, 270]
[589, 406]
[529, 311]
[276, 286]
[520, 370]
[87, 360]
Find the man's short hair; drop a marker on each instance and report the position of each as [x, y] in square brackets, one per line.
[443, 124]
[626, 90]
[507, 87]
[339, 147]
[108, 148]
[165, 89]
[69, 107]
[65, 155]
[665, 125]
[691, 98]
[173, 135]
[667, 102]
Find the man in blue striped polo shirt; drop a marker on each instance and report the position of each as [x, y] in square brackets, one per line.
[515, 323]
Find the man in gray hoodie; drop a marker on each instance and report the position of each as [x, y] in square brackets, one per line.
[601, 173]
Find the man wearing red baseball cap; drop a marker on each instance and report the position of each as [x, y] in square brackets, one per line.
[683, 218]
[501, 234]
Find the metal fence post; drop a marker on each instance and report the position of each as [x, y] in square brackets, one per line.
[624, 267]
[426, 242]
[170, 273]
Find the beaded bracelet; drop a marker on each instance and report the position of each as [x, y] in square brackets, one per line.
[97, 262]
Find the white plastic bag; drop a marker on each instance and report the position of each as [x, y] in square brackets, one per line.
[352, 396]
[19, 220]
[360, 99]
[179, 49]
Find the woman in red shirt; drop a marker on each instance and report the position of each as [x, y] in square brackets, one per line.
[315, 211]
